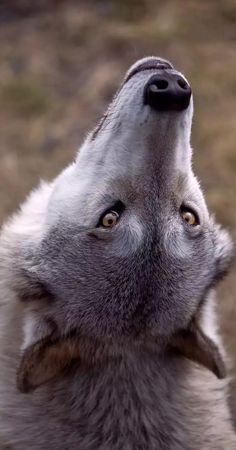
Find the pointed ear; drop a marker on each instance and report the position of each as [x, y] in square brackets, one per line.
[45, 358]
[224, 250]
[196, 346]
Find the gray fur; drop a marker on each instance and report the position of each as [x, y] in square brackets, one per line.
[123, 294]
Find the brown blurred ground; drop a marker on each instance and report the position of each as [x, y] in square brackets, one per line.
[60, 62]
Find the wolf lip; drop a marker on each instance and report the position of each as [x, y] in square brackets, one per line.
[151, 64]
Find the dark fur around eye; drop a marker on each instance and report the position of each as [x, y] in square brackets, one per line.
[186, 208]
[117, 207]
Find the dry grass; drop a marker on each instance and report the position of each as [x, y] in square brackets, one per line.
[60, 64]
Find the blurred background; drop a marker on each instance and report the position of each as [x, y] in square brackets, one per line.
[61, 61]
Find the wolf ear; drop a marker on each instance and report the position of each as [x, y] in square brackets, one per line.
[196, 346]
[224, 250]
[45, 358]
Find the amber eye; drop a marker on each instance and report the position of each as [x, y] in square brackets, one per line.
[190, 217]
[110, 219]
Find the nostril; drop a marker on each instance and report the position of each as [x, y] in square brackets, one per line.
[182, 83]
[167, 92]
[159, 85]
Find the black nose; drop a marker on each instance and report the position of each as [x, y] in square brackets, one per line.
[167, 91]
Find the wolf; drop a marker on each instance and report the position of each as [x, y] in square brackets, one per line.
[108, 331]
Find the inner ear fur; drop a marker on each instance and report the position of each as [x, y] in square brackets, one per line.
[195, 345]
[44, 360]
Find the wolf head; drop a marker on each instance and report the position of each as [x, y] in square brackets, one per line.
[127, 248]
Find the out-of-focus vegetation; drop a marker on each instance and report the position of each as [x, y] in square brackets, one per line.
[61, 61]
